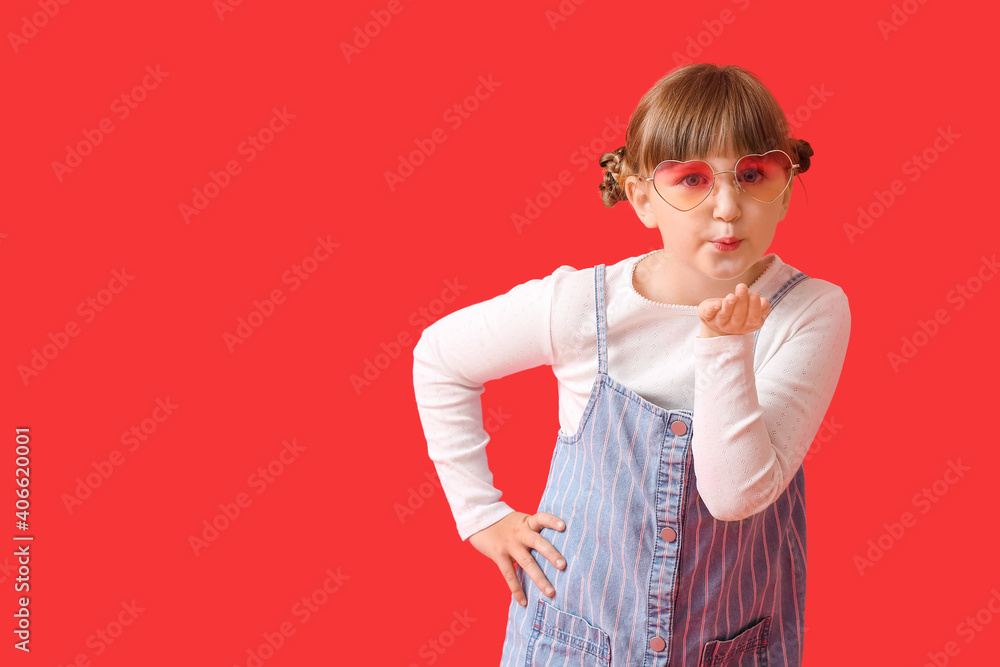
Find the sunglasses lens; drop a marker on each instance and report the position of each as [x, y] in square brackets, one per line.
[764, 177]
[683, 185]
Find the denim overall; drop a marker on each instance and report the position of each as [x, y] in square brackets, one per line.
[652, 578]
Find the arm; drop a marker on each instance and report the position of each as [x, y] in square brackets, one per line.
[753, 430]
[452, 360]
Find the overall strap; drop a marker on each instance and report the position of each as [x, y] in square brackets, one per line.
[602, 323]
[779, 294]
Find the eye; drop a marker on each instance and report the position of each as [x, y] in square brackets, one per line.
[693, 180]
[751, 176]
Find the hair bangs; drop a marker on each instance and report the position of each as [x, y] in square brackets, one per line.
[710, 111]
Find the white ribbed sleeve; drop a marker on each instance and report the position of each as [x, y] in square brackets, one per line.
[752, 429]
[453, 359]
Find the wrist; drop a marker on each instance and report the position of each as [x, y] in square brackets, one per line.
[707, 332]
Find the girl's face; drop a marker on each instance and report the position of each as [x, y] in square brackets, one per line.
[699, 264]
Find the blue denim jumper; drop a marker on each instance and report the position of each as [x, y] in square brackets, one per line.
[652, 578]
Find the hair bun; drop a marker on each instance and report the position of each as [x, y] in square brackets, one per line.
[803, 151]
[612, 164]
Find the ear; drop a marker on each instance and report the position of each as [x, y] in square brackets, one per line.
[637, 192]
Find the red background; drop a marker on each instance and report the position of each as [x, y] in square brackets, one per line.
[336, 506]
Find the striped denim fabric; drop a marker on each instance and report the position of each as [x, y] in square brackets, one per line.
[652, 578]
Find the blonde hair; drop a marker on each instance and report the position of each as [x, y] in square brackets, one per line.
[692, 112]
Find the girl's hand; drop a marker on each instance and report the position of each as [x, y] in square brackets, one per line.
[508, 541]
[736, 314]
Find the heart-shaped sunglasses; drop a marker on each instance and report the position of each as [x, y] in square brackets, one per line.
[684, 185]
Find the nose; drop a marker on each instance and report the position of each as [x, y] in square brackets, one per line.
[725, 198]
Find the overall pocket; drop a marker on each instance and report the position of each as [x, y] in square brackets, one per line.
[747, 649]
[560, 634]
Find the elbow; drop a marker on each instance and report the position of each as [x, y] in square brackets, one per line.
[422, 342]
[727, 510]
[729, 500]
[738, 506]
[422, 348]
[417, 352]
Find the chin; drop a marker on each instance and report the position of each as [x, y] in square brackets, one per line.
[727, 268]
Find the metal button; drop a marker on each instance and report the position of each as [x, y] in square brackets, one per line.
[657, 644]
[669, 534]
[679, 427]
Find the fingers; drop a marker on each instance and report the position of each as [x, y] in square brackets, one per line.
[542, 545]
[521, 554]
[739, 312]
[541, 520]
[534, 572]
[510, 576]
[740, 304]
[725, 314]
[708, 308]
[757, 310]
[511, 540]
[754, 305]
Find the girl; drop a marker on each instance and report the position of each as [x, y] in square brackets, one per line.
[691, 380]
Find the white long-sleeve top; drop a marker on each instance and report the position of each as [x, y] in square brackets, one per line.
[755, 413]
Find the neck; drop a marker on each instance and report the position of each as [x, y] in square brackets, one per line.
[659, 279]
